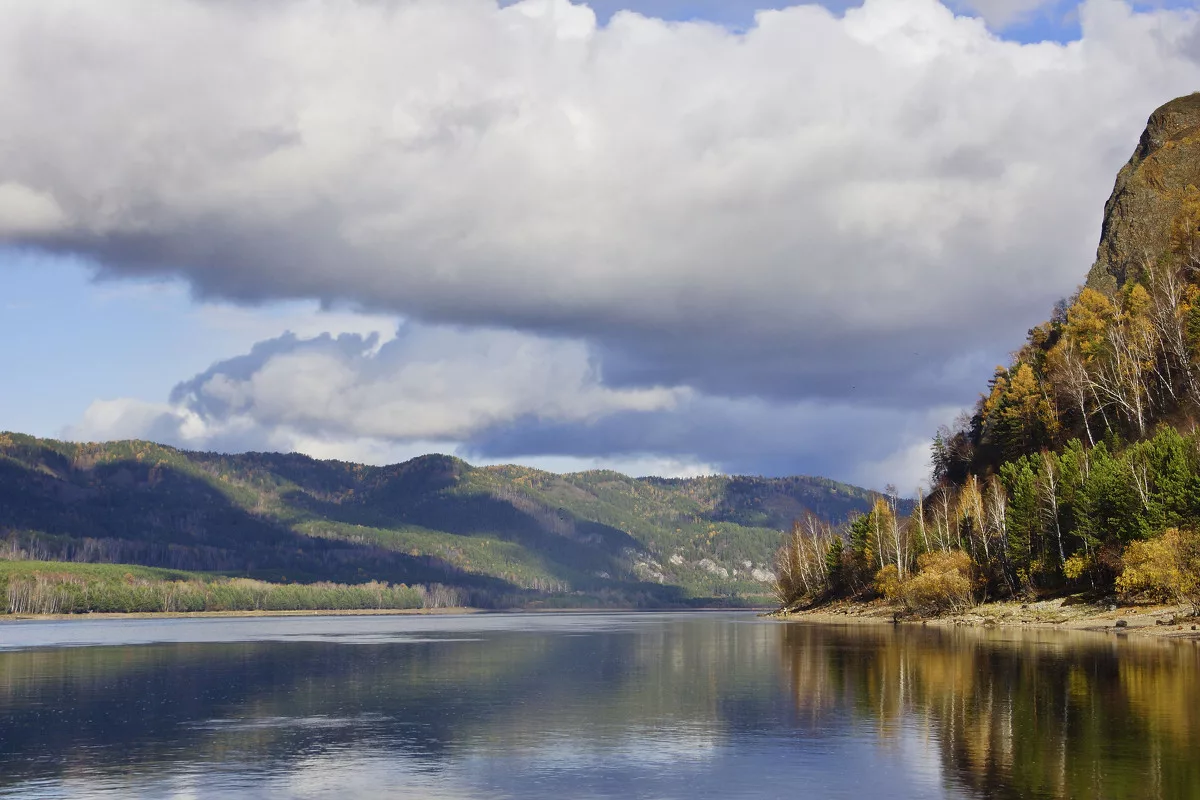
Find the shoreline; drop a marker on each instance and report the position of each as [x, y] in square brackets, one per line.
[343, 612]
[349, 612]
[1063, 613]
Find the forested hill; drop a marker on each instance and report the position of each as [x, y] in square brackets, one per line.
[1121, 355]
[1080, 467]
[507, 533]
[1084, 449]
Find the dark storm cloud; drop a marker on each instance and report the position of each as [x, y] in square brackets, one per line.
[737, 436]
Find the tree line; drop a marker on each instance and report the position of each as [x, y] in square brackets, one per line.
[1078, 470]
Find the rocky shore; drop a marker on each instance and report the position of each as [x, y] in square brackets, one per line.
[1063, 613]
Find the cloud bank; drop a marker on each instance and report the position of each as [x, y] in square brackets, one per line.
[843, 216]
[492, 395]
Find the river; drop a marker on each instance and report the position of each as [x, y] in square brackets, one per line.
[688, 706]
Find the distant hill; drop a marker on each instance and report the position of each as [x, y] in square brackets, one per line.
[502, 532]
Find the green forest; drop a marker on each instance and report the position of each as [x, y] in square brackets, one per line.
[491, 536]
[1079, 470]
[46, 587]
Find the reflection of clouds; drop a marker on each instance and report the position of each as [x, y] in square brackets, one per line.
[352, 629]
[370, 638]
[637, 748]
[682, 765]
[919, 754]
[539, 707]
[263, 723]
[364, 773]
[376, 774]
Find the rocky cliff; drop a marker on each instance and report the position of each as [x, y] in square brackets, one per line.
[1148, 194]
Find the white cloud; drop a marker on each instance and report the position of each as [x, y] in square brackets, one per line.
[25, 211]
[859, 187]
[1000, 14]
[822, 211]
[242, 326]
[907, 468]
[127, 418]
[351, 395]
[495, 397]
[633, 465]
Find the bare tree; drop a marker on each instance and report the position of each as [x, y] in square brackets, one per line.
[918, 519]
[1071, 379]
[996, 504]
[1049, 495]
[1172, 296]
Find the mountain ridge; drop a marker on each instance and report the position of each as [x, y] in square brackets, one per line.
[502, 530]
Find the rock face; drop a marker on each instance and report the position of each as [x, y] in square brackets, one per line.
[1148, 193]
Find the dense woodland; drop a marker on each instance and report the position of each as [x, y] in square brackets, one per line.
[1078, 471]
[501, 536]
[40, 587]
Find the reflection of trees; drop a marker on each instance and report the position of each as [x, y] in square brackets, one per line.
[1002, 714]
[1015, 714]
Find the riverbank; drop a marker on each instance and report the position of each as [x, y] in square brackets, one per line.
[345, 612]
[355, 612]
[1070, 613]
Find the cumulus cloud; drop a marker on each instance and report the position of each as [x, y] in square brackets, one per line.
[830, 221]
[1001, 14]
[426, 384]
[749, 213]
[496, 396]
[24, 211]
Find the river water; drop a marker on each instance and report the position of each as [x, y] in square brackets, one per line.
[698, 705]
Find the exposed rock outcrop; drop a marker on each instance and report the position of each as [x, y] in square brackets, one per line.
[1148, 193]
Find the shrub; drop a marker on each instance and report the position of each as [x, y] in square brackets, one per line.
[887, 582]
[1075, 566]
[1166, 568]
[943, 583]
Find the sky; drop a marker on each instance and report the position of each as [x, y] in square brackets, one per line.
[669, 237]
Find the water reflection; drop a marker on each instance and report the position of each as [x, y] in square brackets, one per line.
[656, 706]
[1015, 714]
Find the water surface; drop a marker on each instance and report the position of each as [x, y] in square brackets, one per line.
[713, 705]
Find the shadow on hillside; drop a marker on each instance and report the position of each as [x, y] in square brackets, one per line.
[776, 502]
[426, 493]
[573, 549]
[130, 511]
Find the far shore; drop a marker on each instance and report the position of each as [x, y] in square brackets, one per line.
[354, 612]
[1064, 613]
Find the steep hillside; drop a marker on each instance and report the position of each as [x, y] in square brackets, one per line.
[1123, 354]
[1150, 193]
[1085, 448]
[502, 532]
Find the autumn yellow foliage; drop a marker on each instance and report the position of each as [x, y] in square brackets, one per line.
[1166, 568]
[942, 584]
[887, 582]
